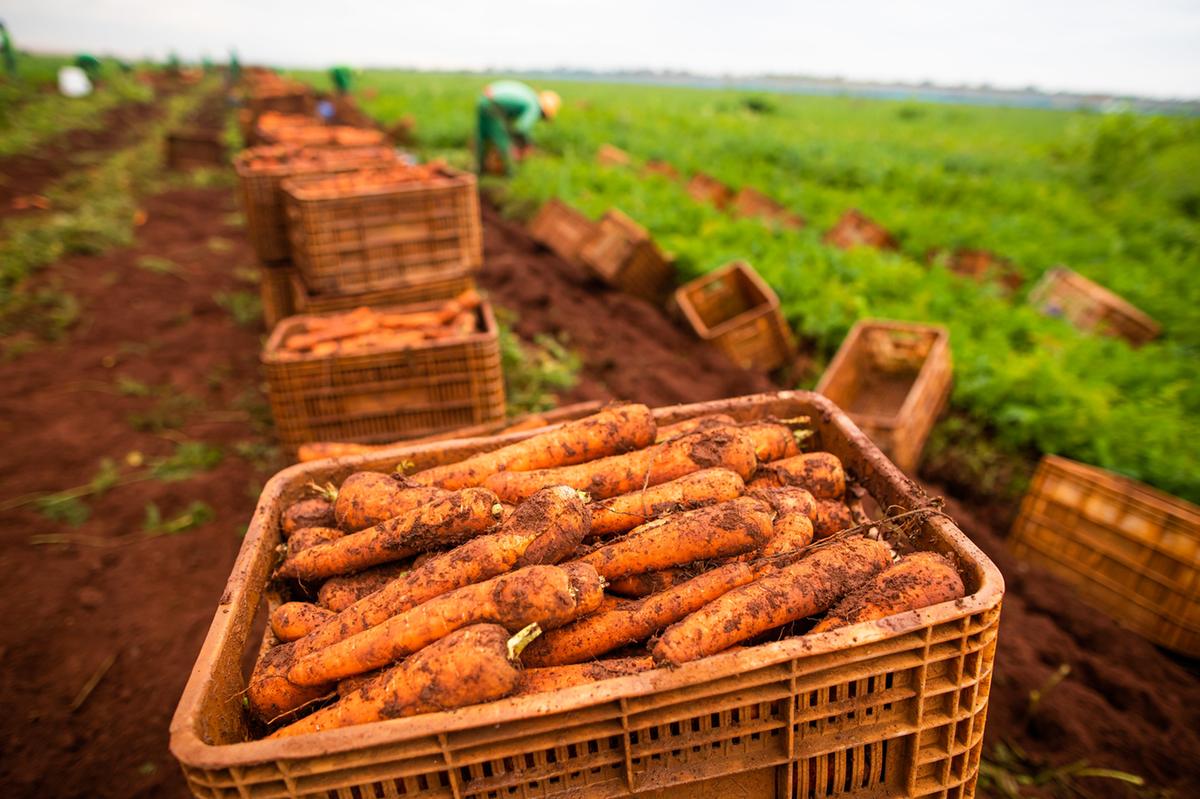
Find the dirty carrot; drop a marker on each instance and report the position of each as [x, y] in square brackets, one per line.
[772, 440]
[786, 499]
[631, 622]
[339, 593]
[554, 678]
[269, 692]
[467, 667]
[727, 528]
[805, 588]
[547, 595]
[368, 498]
[632, 471]
[319, 450]
[446, 521]
[916, 581]
[830, 516]
[821, 473]
[293, 620]
[705, 487]
[314, 512]
[636, 586]
[609, 432]
[709, 422]
[309, 537]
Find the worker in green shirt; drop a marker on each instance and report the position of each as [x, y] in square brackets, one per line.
[341, 77]
[507, 111]
[89, 64]
[10, 55]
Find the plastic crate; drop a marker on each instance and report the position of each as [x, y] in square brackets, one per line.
[621, 253]
[707, 189]
[562, 229]
[196, 147]
[1091, 307]
[894, 379]
[981, 266]
[610, 155]
[735, 310]
[385, 394]
[350, 240]
[262, 195]
[275, 289]
[752, 203]
[308, 302]
[1131, 551]
[657, 167]
[855, 229]
[886, 709]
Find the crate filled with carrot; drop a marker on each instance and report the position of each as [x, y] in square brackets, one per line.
[589, 605]
[372, 375]
[379, 228]
[262, 170]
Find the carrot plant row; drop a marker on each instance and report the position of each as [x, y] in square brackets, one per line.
[605, 547]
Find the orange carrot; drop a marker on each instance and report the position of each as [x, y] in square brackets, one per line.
[339, 593]
[705, 487]
[710, 422]
[636, 586]
[790, 533]
[772, 440]
[309, 537]
[547, 595]
[315, 512]
[318, 450]
[820, 473]
[782, 595]
[467, 667]
[916, 581]
[830, 516]
[446, 521]
[368, 498]
[633, 471]
[613, 430]
[269, 692]
[554, 678]
[786, 499]
[293, 620]
[631, 622]
[718, 531]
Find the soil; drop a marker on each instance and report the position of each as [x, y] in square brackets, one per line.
[101, 632]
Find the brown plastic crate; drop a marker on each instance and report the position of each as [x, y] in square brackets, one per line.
[262, 193]
[855, 229]
[656, 167]
[562, 229]
[1131, 551]
[894, 379]
[308, 302]
[385, 394]
[880, 709]
[195, 147]
[1091, 307]
[378, 237]
[750, 202]
[707, 189]
[276, 292]
[610, 155]
[734, 309]
[622, 254]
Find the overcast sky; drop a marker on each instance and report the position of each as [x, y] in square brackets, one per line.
[1151, 47]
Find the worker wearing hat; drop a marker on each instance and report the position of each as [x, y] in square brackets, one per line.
[507, 111]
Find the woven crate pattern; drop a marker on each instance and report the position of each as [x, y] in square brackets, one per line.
[707, 189]
[621, 253]
[187, 149]
[1131, 551]
[854, 229]
[275, 289]
[262, 193]
[383, 237]
[895, 710]
[562, 229]
[735, 310]
[387, 394]
[750, 202]
[894, 380]
[1091, 307]
[647, 273]
[307, 302]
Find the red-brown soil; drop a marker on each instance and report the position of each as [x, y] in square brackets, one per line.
[144, 603]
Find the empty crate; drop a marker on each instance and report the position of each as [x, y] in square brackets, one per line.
[621, 252]
[707, 189]
[855, 229]
[562, 229]
[750, 202]
[1091, 307]
[736, 311]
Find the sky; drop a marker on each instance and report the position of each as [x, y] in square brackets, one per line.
[1151, 47]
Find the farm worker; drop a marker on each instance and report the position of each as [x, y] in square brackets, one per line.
[10, 55]
[341, 77]
[507, 111]
[88, 63]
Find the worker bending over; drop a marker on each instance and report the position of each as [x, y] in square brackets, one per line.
[507, 111]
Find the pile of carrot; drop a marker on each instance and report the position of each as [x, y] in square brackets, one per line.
[366, 328]
[382, 177]
[605, 547]
[298, 159]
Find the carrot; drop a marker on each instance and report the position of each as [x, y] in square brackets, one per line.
[309, 537]
[718, 531]
[804, 588]
[339, 593]
[790, 533]
[315, 512]
[631, 622]
[445, 521]
[830, 516]
[709, 422]
[554, 678]
[611, 431]
[819, 472]
[772, 440]
[547, 526]
[269, 692]
[636, 586]
[293, 620]
[547, 595]
[368, 498]
[633, 471]
[351, 327]
[786, 499]
[319, 450]
[916, 581]
[621, 513]
[467, 667]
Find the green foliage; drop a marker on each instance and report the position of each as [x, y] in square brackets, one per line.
[194, 515]
[189, 458]
[534, 371]
[65, 509]
[170, 411]
[158, 265]
[244, 306]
